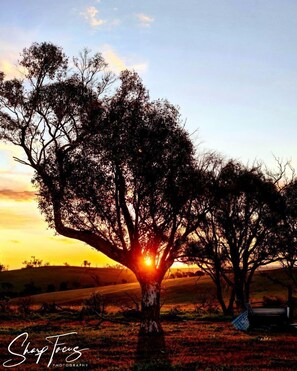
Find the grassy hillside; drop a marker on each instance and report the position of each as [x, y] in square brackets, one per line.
[179, 291]
[54, 278]
[175, 291]
[61, 278]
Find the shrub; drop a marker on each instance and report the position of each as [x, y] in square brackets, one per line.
[24, 305]
[51, 288]
[63, 286]
[31, 289]
[5, 306]
[272, 301]
[173, 315]
[95, 304]
[207, 305]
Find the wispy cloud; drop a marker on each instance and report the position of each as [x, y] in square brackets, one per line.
[118, 64]
[139, 67]
[19, 219]
[115, 63]
[16, 195]
[144, 20]
[10, 68]
[10, 51]
[68, 241]
[90, 15]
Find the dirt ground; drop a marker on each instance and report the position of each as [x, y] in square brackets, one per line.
[186, 345]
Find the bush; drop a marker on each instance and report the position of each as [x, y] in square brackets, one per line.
[76, 284]
[5, 306]
[31, 289]
[63, 286]
[49, 308]
[173, 315]
[51, 288]
[24, 305]
[207, 305]
[199, 274]
[273, 301]
[131, 313]
[95, 304]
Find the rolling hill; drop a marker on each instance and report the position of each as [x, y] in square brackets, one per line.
[188, 290]
[56, 278]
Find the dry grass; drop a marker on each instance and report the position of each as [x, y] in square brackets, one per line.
[187, 345]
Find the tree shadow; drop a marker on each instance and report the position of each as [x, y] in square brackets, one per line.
[151, 353]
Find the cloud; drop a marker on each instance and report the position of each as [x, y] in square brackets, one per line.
[69, 241]
[17, 195]
[144, 20]
[10, 69]
[11, 48]
[90, 15]
[20, 219]
[139, 67]
[115, 63]
[118, 64]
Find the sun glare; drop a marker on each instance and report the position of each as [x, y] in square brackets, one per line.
[148, 261]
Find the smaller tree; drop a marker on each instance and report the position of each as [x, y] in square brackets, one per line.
[86, 263]
[238, 233]
[288, 236]
[32, 263]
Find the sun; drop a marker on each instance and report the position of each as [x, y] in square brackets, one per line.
[148, 261]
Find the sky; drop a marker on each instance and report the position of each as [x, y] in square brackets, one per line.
[230, 65]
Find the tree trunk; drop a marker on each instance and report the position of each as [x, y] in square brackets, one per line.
[240, 294]
[230, 308]
[150, 308]
[227, 310]
[220, 298]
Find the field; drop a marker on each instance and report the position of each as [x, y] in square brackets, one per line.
[178, 291]
[56, 277]
[190, 344]
[196, 337]
[74, 284]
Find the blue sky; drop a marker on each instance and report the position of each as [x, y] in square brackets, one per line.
[231, 65]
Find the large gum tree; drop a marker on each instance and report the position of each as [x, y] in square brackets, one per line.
[111, 167]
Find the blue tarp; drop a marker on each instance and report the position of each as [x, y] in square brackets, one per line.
[242, 322]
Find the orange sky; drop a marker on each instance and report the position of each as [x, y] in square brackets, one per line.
[23, 231]
[229, 65]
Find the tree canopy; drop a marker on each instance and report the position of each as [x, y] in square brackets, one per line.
[239, 233]
[112, 168]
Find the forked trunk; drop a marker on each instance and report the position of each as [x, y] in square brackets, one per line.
[240, 297]
[150, 308]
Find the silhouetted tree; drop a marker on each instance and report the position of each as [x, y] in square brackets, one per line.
[288, 237]
[33, 262]
[239, 233]
[112, 168]
[284, 177]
